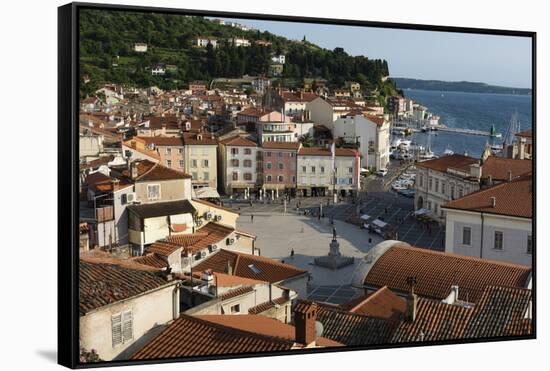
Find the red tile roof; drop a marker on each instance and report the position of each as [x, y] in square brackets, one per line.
[320, 151]
[499, 167]
[192, 139]
[191, 336]
[435, 321]
[436, 272]
[148, 170]
[261, 325]
[163, 141]
[513, 198]
[238, 141]
[382, 303]
[269, 270]
[281, 145]
[101, 284]
[455, 161]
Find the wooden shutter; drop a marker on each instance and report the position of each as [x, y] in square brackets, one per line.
[127, 327]
[116, 329]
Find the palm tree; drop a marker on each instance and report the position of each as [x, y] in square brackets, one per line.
[306, 140]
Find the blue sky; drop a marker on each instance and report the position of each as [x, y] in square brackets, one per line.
[496, 60]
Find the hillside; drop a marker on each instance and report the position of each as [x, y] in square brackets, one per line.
[107, 53]
[461, 86]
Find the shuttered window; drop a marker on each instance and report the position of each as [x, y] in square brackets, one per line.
[122, 328]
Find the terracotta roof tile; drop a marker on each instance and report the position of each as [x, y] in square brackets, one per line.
[436, 272]
[191, 336]
[101, 284]
[500, 312]
[238, 141]
[435, 321]
[281, 145]
[320, 151]
[243, 264]
[498, 168]
[456, 161]
[513, 198]
[382, 303]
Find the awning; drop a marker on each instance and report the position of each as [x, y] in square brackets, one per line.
[421, 211]
[378, 223]
[205, 192]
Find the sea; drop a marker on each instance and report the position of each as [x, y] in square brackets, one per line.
[472, 111]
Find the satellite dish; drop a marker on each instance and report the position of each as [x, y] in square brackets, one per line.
[318, 329]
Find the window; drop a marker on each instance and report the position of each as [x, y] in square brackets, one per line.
[466, 236]
[247, 151]
[247, 176]
[281, 166]
[168, 150]
[235, 176]
[529, 244]
[234, 162]
[304, 170]
[122, 328]
[234, 151]
[322, 169]
[168, 163]
[350, 170]
[437, 185]
[153, 191]
[247, 163]
[498, 240]
[206, 175]
[236, 308]
[280, 178]
[205, 163]
[194, 163]
[268, 178]
[181, 164]
[268, 165]
[313, 169]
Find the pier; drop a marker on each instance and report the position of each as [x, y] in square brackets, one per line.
[469, 131]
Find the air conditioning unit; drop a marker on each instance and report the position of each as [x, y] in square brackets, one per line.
[131, 198]
[218, 218]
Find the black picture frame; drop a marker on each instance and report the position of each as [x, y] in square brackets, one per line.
[68, 117]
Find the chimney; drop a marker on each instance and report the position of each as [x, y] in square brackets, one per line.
[412, 301]
[134, 170]
[521, 154]
[493, 202]
[475, 171]
[305, 315]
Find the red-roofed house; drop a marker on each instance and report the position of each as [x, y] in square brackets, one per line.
[238, 165]
[495, 223]
[315, 175]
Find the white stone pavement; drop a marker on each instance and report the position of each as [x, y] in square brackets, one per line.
[277, 234]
